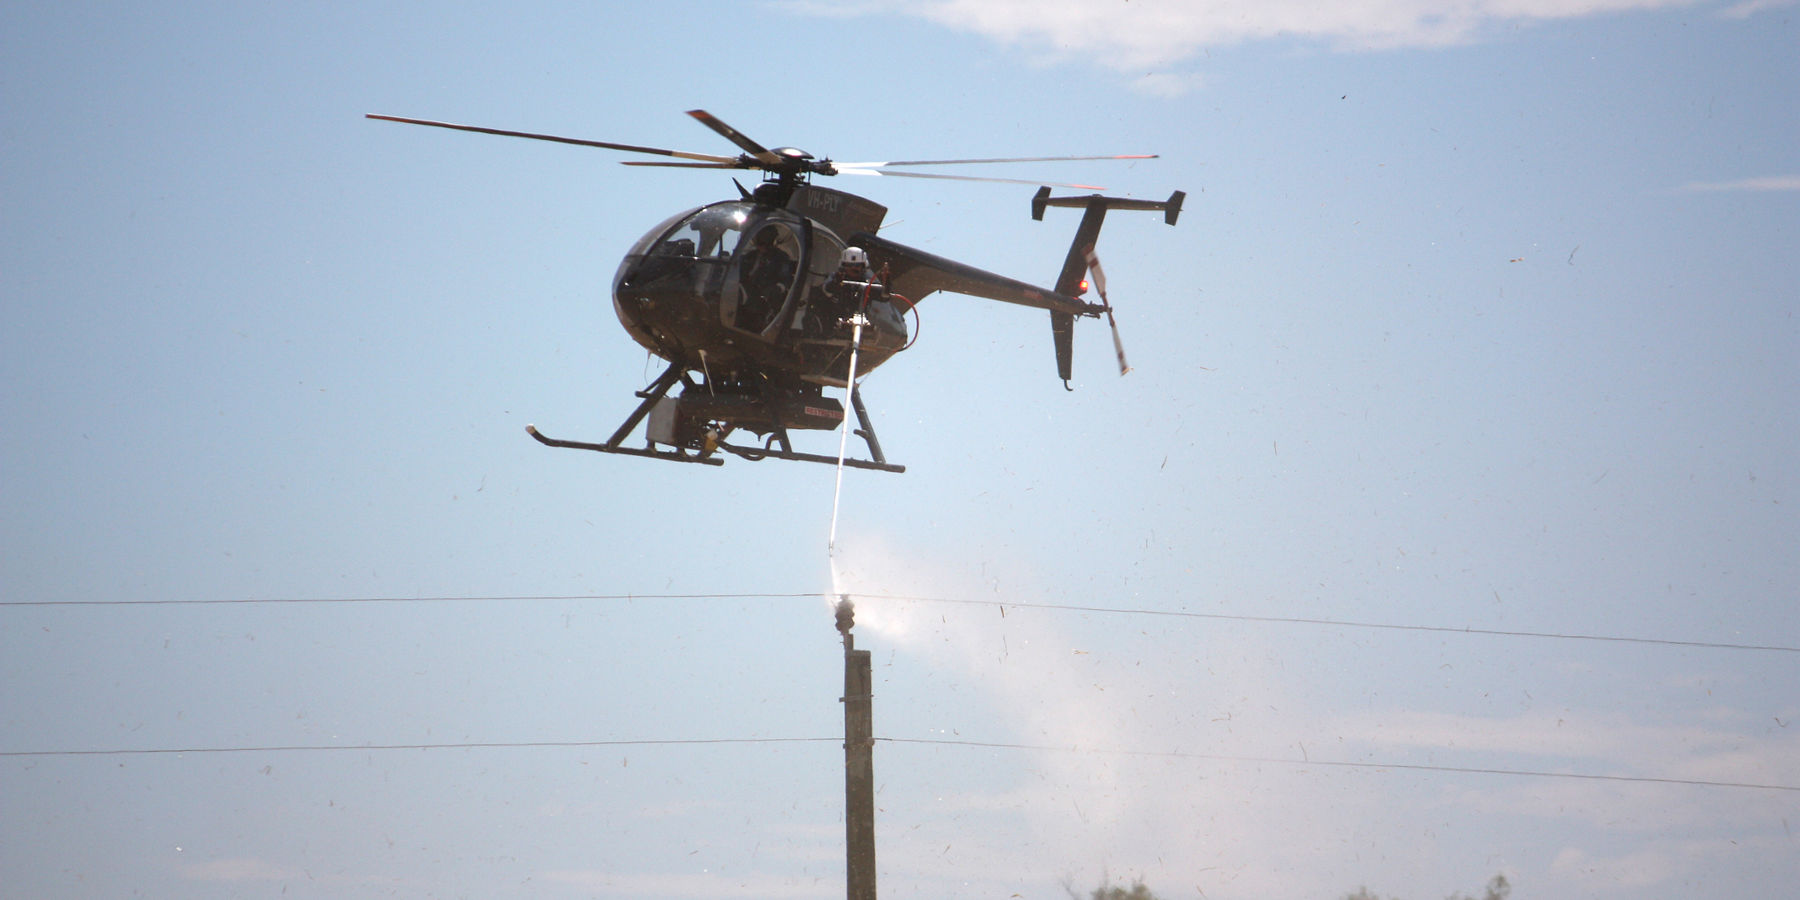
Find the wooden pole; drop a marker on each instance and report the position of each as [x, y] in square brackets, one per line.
[859, 764]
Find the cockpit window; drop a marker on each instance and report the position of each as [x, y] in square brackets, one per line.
[766, 275]
[742, 261]
[711, 233]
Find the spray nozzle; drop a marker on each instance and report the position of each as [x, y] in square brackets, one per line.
[846, 614]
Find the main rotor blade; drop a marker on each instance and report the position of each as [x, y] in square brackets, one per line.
[842, 170]
[606, 145]
[735, 164]
[761, 153]
[1014, 159]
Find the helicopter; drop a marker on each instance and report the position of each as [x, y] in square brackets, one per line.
[744, 300]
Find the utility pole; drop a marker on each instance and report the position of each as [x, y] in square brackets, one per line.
[859, 761]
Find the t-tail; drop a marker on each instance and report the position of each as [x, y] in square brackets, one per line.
[1081, 260]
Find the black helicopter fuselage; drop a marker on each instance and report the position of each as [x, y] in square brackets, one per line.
[744, 300]
[742, 291]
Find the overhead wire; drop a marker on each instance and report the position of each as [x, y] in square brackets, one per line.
[1378, 766]
[991, 745]
[1000, 604]
[1347, 623]
[481, 598]
[457, 745]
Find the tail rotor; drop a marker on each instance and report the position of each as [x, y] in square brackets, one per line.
[1099, 278]
[1081, 258]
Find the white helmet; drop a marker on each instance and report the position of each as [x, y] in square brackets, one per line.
[854, 256]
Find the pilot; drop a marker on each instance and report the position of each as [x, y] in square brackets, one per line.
[767, 272]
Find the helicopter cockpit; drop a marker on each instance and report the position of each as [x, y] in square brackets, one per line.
[735, 265]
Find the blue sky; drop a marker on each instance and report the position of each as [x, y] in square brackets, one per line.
[1479, 323]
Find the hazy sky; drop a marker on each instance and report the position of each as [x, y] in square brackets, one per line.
[1477, 338]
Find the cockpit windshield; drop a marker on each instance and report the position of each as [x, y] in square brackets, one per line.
[712, 232]
[738, 260]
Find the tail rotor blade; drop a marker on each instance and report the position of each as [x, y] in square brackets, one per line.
[1093, 264]
[1099, 276]
[1118, 346]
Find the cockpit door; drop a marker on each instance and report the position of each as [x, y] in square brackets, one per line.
[769, 275]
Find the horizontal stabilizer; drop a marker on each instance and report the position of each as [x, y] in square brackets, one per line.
[1081, 259]
[1171, 208]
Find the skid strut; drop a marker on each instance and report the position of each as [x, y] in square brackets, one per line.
[781, 448]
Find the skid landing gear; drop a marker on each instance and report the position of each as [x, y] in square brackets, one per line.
[695, 430]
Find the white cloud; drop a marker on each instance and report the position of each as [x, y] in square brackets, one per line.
[1767, 183]
[1750, 8]
[1132, 35]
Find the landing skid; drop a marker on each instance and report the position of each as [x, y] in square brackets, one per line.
[778, 447]
[670, 455]
[750, 453]
[852, 462]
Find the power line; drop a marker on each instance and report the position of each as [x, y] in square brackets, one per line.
[813, 595]
[1343, 623]
[466, 745]
[489, 598]
[993, 745]
[1346, 764]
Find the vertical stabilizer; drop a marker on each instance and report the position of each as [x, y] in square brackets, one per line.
[1069, 281]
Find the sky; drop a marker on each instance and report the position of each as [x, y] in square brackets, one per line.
[1446, 527]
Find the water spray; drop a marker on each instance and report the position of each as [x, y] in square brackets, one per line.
[857, 322]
